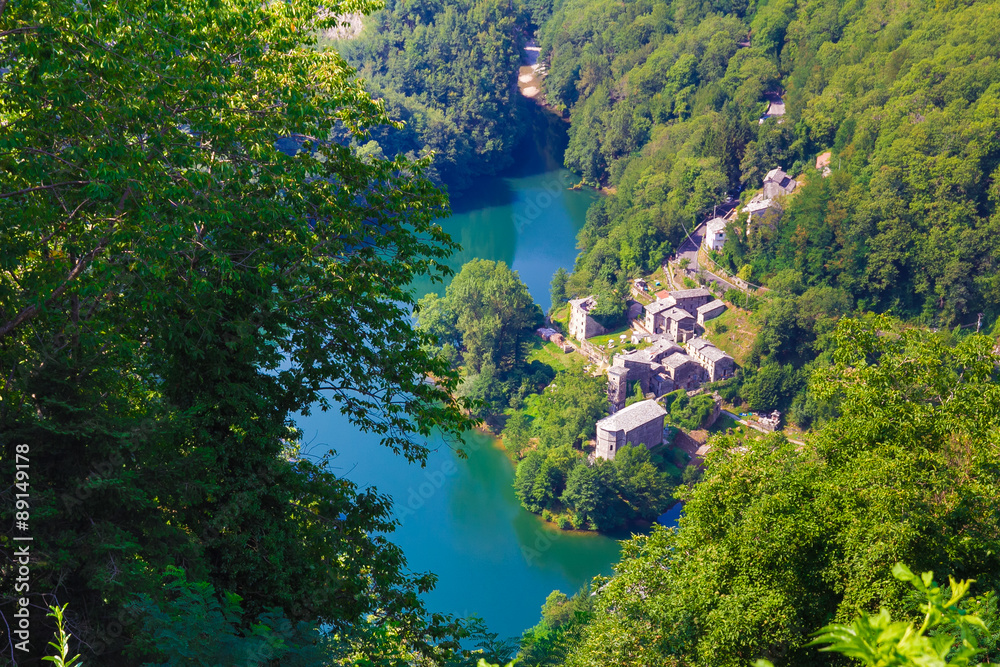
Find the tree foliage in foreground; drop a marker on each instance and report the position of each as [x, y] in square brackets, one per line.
[173, 289]
[876, 640]
[778, 539]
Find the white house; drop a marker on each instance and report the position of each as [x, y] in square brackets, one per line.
[715, 234]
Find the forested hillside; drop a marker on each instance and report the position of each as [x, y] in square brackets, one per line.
[448, 71]
[778, 539]
[665, 100]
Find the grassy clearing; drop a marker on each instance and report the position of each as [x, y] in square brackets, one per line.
[723, 423]
[733, 332]
[602, 340]
[658, 276]
[550, 355]
[560, 316]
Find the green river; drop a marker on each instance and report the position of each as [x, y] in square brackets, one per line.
[459, 518]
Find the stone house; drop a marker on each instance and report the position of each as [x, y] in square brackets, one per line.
[683, 371]
[690, 299]
[678, 324]
[687, 300]
[771, 422]
[761, 207]
[710, 311]
[654, 315]
[778, 184]
[581, 325]
[715, 234]
[717, 364]
[642, 366]
[639, 424]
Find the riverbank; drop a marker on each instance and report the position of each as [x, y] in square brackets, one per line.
[529, 80]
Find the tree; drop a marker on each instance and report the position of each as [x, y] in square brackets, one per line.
[558, 288]
[611, 309]
[436, 318]
[559, 628]
[524, 480]
[592, 495]
[689, 413]
[467, 112]
[556, 611]
[779, 539]
[178, 288]
[494, 313]
[517, 433]
[877, 640]
[568, 409]
[771, 387]
[636, 395]
[646, 490]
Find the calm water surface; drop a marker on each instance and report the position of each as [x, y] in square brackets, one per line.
[527, 216]
[459, 518]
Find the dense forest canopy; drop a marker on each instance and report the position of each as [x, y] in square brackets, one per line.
[173, 289]
[665, 100]
[449, 72]
[779, 539]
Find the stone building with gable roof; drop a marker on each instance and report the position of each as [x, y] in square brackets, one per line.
[778, 184]
[710, 311]
[717, 364]
[642, 366]
[687, 300]
[581, 325]
[639, 424]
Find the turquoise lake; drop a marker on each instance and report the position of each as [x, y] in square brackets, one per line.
[459, 518]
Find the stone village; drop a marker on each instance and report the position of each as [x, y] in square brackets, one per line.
[673, 355]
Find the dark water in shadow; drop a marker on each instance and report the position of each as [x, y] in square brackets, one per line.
[526, 216]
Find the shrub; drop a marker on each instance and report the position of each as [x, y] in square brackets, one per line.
[742, 300]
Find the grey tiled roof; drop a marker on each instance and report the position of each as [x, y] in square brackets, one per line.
[711, 305]
[697, 343]
[677, 359]
[714, 354]
[707, 349]
[677, 314]
[661, 347]
[690, 293]
[715, 225]
[633, 416]
[660, 305]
